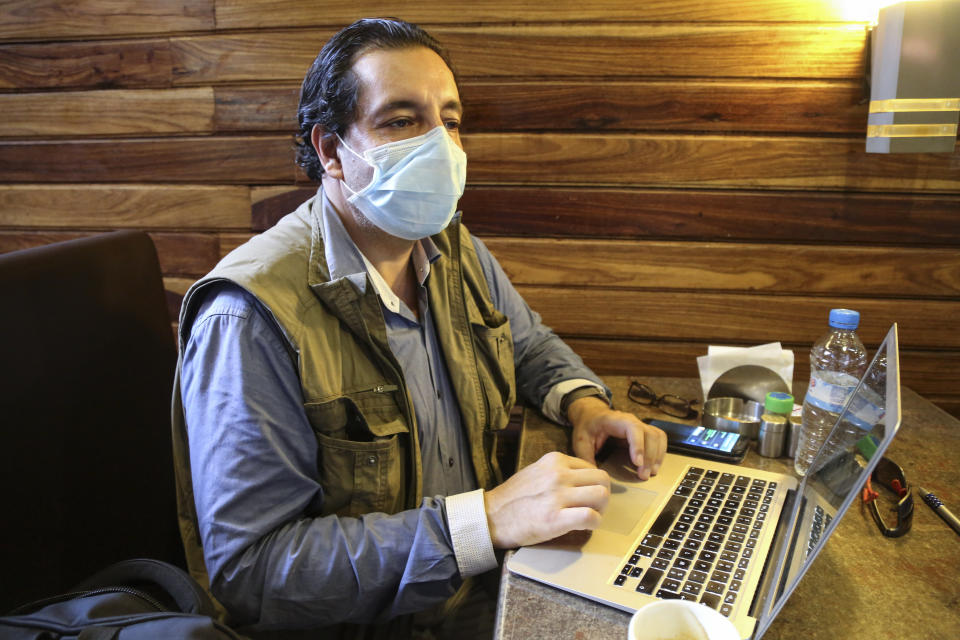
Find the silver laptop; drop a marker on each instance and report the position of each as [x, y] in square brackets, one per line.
[733, 538]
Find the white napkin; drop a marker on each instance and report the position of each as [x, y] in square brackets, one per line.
[720, 359]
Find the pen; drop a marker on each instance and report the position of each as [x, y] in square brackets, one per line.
[935, 504]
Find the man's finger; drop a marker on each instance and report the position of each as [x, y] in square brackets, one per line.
[588, 477]
[594, 496]
[577, 519]
[636, 439]
[659, 439]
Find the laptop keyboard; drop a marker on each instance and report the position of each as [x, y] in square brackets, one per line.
[702, 543]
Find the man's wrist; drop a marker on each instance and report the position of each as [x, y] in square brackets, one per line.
[581, 392]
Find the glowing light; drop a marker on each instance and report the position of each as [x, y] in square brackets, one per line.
[861, 10]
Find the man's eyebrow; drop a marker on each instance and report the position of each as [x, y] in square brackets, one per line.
[394, 105]
[455, 105]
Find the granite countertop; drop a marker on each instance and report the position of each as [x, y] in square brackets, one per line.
[862, 585]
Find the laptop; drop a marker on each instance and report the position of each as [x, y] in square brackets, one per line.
[734, 538]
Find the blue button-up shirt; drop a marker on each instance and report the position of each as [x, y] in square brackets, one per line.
[273, 560]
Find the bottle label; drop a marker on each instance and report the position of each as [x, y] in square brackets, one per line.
[829, 390]
[866, 409]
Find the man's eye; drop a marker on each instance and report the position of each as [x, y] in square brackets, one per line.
[400, 124]
[452, 125]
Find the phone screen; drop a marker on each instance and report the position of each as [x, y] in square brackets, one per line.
[701, 441]
[712, 439]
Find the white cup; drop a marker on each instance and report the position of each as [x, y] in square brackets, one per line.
[680, 620]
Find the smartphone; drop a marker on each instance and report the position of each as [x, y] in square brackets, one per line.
[696, 440]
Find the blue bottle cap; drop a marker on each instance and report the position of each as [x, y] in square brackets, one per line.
[844, 319]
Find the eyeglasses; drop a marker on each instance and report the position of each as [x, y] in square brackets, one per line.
[889, 474]
[669, 404]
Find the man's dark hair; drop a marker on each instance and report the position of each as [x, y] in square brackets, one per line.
[328, 96]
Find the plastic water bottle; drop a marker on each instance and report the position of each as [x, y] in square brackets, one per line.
[837, 360]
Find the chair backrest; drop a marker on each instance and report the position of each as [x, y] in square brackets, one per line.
[87, 358]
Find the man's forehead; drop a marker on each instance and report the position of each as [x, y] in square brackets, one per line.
[404, 78]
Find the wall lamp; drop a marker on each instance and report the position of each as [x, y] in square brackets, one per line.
[915, 78]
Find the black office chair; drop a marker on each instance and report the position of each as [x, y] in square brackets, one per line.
[86, 371]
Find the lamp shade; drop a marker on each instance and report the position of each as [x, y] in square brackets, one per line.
[915, 78]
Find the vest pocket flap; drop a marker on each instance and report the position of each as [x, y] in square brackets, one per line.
[362, 451]
[383, 429]
[360, 417]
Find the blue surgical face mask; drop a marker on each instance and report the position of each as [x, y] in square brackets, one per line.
[415, 186]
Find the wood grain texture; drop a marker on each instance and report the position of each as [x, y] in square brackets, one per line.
[107, 113]
[18, 240]
[660, 105]
[773, 162]
[829, 218]
[176, 285]
[258, 56]
[56, 19]
[102, 65]
[230, 241]
[736, 267]
[742, 162]
[269, 205]
[566, 51]
[738, 318]
[258, 108]
[115, 206]
[224, 160]
[665, 105]
[186, 254]
[695, 50]
[245, 14]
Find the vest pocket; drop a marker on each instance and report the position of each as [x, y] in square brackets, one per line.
[360, 477]
[360, 451]
[494, 344]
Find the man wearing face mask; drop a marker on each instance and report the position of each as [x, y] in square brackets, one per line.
[343, 376]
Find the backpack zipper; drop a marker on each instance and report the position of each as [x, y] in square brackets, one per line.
[32, 607]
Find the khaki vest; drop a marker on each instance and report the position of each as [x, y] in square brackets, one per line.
[354, 393]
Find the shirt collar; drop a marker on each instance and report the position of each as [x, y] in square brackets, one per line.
[345, 260]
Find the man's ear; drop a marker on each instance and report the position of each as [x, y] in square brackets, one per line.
[327, 146]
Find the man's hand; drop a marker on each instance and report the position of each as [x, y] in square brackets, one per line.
[554, 495]
[594, 421]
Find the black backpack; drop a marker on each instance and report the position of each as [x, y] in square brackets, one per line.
[131, 600]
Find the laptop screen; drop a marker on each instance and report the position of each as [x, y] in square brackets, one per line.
[862, 432]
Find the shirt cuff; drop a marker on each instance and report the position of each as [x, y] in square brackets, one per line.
[552, 403]
[467, 518]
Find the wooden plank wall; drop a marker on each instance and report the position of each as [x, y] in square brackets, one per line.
[655, 177]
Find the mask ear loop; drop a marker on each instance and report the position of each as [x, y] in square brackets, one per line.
[376, 169]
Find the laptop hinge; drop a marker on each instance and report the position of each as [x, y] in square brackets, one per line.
[776, 558]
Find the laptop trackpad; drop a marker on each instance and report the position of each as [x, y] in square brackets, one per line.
[626, 507]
